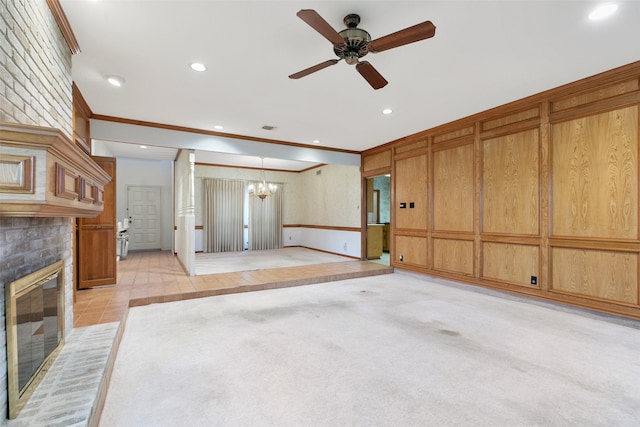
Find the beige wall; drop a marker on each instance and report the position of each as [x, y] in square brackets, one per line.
[331, 198]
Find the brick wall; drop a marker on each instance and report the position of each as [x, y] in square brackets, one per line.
[35, 89]
[35, 67]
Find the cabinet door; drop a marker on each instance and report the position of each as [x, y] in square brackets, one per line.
[97, 237]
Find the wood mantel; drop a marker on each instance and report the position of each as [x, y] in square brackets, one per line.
[44, 174]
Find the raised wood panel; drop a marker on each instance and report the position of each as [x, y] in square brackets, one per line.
[595, 94]
[17, 173]
[376, 161]
[453, 189]
[453, 255]
[98, 195]
[510, 184]
[413, 250]
[81, 120]
[86, 194]
[67, 183]
[418, 145]
[510, 263]
[96, 257]
[458, 133]
[411, 186]
[374, 241]
[511, 118]
[598, 274]
[97, 260]
[595, 176]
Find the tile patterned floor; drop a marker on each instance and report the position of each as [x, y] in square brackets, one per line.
[152, 277]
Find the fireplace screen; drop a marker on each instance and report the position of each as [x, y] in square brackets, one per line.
[35, 330]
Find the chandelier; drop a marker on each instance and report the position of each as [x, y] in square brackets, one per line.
[262, 189]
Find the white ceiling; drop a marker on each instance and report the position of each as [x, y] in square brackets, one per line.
[484, 54]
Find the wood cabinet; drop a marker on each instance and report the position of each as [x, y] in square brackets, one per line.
[374, 241]
[96, 245]
[386, 237]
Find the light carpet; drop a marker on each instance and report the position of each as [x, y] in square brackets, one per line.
[229, 262]
[391, 350]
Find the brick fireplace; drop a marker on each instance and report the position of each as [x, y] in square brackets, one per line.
[37, 85]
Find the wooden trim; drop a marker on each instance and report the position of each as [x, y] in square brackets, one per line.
[252, 168]
[79, 99]
[608, 104]
[377, 172]
[321, 250]
[312, 168]
[63, 24]
[214, 133]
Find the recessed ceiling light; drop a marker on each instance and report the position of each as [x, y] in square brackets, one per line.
[603, 11]
[218, 127]
[196, 66]
[387, 111]
[116, 81]
[143, 146]
[316, 141]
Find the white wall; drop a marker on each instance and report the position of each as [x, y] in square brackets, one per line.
[153, 173]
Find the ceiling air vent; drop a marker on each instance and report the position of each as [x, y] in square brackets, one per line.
[267, 127]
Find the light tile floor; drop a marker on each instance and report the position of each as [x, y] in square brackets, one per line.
[152, 277]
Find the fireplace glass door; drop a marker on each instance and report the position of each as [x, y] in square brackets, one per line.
[38, 328]
[35, 330]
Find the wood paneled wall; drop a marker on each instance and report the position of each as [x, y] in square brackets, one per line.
[539, 196]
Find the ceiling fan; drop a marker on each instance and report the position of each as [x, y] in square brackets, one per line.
[353, 43]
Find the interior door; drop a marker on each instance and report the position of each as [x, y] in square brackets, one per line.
[97, 237]
[378, 218]
[144, 208]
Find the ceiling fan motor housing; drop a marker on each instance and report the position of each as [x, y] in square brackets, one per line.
[355, 41]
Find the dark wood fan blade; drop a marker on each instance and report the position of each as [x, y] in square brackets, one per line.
[400, 38]
[315, 68]
[371, 75]
[318, 23]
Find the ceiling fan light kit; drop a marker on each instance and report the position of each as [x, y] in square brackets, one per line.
[353, 43]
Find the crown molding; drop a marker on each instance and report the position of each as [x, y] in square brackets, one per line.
[63, 24]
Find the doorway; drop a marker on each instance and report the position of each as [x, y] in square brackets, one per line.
[379, 219]
[144, 209]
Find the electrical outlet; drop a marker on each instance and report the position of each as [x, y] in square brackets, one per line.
[345, 246]
[534, 280]
[401, 257]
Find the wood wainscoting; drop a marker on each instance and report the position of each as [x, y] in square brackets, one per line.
[539, 196]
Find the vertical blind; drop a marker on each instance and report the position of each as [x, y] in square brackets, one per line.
[223, 215]
[265, 222]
